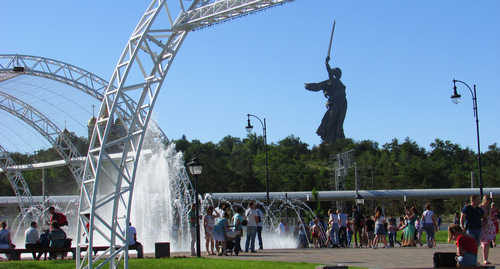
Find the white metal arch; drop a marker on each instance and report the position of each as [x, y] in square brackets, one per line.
[139, 57]
[17, 182]
[12, 65]
[47, 129]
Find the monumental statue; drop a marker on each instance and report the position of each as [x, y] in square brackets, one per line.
[332, 124]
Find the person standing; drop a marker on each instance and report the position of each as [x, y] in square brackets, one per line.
[356, 225]
[31, 239]
[252, 221]
[57, 216]
[208, 225]
[379, 228]
[260, 226]
[456, 218]
[488, 228]
[334, 230]
[470, 220]
[410, 229]
[370, 230]
[303, 242]
[238, 222]
[428, 223]
[192, 227]
[281, 228]
[494, 218]
[342, 228]
[220, 230]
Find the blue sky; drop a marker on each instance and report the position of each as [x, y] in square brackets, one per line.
[398, 60]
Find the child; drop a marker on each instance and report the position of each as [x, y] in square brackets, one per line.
[349, 233]
[315, 233]
[418, 228]
[402, 226]
[392, 231]
[44, 243]
[370, 230]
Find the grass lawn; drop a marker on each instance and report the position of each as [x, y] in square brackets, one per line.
[441, 237]
[169, 263]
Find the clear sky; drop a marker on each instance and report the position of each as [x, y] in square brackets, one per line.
[398, 60]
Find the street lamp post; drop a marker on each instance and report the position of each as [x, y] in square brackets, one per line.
[196, 168]
[456, 98]
[249, 129]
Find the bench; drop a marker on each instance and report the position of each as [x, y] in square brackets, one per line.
[137, 248]
[15, 254]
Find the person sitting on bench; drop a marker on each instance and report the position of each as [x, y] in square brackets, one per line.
[31, 239]
[466, 246]
[57, 238]
[5, 241]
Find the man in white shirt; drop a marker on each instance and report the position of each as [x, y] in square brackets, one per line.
[282, 228]
[132, 235]
[31, 239]
[252, 220]
[342, 228]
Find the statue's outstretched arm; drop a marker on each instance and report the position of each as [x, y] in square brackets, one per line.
[316, 87]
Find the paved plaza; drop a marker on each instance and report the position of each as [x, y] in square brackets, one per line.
[360, 257]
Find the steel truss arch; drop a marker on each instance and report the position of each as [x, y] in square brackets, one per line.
[12, 65]
[17, 182]
[47, 129]
[139, 57]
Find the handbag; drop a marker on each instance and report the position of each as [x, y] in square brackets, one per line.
[445, 259]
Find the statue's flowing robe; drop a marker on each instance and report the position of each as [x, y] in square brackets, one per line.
[332, 124]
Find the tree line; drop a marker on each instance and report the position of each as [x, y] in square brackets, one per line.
[238, 165]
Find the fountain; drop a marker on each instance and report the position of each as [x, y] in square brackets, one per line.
[162, 197]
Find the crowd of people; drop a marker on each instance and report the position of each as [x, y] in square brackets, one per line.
[478, 221]
[476, 226]
[220, 228]
[53, 236]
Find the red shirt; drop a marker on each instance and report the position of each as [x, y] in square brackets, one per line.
[467, 243]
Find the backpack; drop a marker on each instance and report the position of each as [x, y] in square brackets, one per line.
[61, 219]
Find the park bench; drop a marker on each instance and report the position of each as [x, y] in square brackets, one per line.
[137, 248]
[16, 253]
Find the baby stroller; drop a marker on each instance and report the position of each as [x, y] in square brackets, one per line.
[230, 236]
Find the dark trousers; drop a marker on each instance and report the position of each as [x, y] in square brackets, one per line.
[36, 245]
[343, 236]
[237, 244]
[358, 230]
[259, 236]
